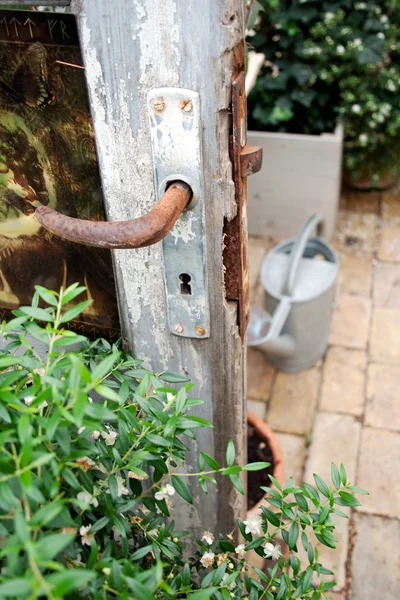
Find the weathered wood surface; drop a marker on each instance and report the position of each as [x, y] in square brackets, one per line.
[129, 47]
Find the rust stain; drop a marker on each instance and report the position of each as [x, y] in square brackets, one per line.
[137, 233]
[246, 160]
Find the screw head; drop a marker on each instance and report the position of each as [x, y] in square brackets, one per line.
[178, 328]
[199, 330]
[186, 105]
[159, 105]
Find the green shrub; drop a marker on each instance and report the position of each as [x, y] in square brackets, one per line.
[91, 453]
[325, 60]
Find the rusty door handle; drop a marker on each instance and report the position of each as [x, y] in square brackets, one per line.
[137, 233]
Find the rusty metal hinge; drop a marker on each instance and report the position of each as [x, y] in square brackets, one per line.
[246, 160]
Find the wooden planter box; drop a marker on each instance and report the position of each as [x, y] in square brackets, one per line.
[301, 175]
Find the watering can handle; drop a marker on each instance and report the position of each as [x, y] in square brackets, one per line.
[298, 250]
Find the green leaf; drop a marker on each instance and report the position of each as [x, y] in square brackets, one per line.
[271, 516]
[37, 313]
[181, 400]
[71, 579]
[49, 546]
[257, 466]
[141, 591]
[105, 366]
[182, 488]
[9, 361]
[347, 500]
[343, 475]
[170, 377]
[231, 470]
[76, 310]
[230, 453]
[72, 292]
[210, 461]
[219, 573]
[357, 490]
[293, 535]
[47, 513]
[47, 295]
[99, 411]
[335, 476]
[141, 552]
[21, 527]
[108, 393]
[16, 587]
[235, 479]
[321, 485]
[301, 501]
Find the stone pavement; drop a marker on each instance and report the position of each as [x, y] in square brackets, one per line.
[347, 408]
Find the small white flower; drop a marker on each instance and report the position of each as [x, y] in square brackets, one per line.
[90, 399]
[276, 38]
[253, 525]
[329, 16]
[87, 499]
[271, 551]
[356, 108]
[232, 585]
[107, 571]
[384, 19]
[84, 533]
[360, 6]
[207, 537]
[357, 43]
[363, 138]
[207, 559]
[380, 35]
[391, 86]
[95, 435]
[240, 551]
[164, 492]
[109, 436]
[122, 490]
[340, 49]
[29, 399]
[81, 430]
[170, 397]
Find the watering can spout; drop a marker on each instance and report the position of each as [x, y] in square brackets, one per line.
[274, 342]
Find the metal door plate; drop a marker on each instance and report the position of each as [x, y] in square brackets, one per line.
[175, 128]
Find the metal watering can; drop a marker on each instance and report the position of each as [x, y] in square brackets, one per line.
[299, 278]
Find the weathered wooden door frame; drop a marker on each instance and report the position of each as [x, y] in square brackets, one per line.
[130, 47]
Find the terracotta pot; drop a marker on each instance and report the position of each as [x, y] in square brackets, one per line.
[270, 438]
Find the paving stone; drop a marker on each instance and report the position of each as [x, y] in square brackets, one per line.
[383, 406]
[355, 274]
[350, 321]
[335, 438]
[378, 472]
[386, 285]
[343, 381]
[356, 233]
[260, 375]
[375, 565]
[294, 454]
[336, 596]
[293, 402]
[385, 335]
[257, 408]
[390, 208]
[363, 202]
[389, 244]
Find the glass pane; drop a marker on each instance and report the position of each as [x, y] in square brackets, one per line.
[48, 156]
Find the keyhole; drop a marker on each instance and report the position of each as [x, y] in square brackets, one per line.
[186, 288]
